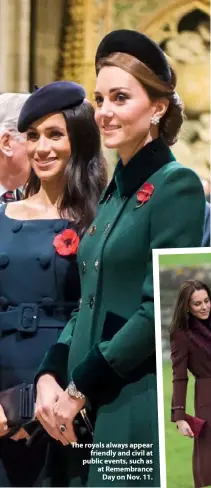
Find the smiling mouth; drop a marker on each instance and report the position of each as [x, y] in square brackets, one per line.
[45, 163]
[111, 128]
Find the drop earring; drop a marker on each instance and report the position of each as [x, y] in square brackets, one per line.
[155, 120]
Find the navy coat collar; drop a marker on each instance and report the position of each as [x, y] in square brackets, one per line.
[127, 179]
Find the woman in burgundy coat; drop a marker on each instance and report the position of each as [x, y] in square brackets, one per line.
[191, 350]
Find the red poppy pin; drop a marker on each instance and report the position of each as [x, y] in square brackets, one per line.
[66, 243]
[144, 194]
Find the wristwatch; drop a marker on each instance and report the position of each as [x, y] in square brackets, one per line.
[73, 392]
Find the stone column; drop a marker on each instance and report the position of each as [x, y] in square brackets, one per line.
[14, 44]
[48, 24]
[6, 20]
[24, 45]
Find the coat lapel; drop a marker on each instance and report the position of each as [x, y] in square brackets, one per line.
[127, 179]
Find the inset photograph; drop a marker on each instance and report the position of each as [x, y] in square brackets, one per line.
[182, 291]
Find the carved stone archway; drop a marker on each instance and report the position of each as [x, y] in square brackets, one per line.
[193, 73]
[165, 16]
[90, 20]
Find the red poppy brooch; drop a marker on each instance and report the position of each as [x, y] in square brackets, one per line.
[66, 243]
[144, 194]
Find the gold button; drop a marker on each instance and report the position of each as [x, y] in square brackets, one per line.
[92, 230]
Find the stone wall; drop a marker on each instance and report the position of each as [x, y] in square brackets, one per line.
[170, 282]
[181, 27]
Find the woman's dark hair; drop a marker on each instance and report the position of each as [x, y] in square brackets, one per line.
[86, 170]
[172, 120]
[180, 318]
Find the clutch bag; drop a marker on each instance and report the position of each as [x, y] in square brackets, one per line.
[18, 404]
[195, 423]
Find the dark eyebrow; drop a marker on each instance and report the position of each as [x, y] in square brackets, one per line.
[53, 127]
[114, 90]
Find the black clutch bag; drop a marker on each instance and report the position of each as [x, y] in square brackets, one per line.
[18, 404]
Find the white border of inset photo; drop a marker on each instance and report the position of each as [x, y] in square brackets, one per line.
[158, 339]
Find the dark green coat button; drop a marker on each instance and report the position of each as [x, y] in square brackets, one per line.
[83, 267]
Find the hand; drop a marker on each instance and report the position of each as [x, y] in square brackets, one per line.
[65, 410]
[48, 393]
[184, 428]
[21, 434]
[3, 423]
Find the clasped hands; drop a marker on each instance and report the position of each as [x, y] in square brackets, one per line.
[54, 407]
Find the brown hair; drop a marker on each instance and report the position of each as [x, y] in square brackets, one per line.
[180, 318]
[86, 169]
[172, 120]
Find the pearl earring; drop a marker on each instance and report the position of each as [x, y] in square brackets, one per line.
[155, 120]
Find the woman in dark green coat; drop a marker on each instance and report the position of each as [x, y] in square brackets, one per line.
[106, 354]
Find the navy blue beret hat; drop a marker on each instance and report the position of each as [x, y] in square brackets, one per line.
[138, 45]
[54, 97]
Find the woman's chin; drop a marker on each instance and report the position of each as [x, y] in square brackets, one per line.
[48, 175]
[44, 175]
[110, 144]
[204, 316]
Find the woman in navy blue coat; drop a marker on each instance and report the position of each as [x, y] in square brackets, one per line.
[39, 282]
